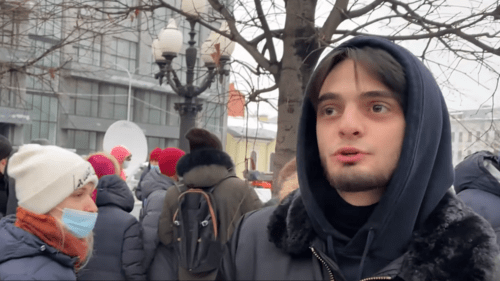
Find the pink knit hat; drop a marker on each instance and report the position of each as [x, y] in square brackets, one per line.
[102, 165]
[155, 154]
[168, 160]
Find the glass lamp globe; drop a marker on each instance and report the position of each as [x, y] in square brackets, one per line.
[170, 38]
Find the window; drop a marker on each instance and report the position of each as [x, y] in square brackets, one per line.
[123, 53]
[213, 115]
[10, 20]
[45, 19]
[43, 117]
[487, 136]
[88, 50]
[470, 137]
[85, 142]
[39, 79]
[161, 143]
[9, 90]
[460, 137]
[173, 115]
[453, 137]
[84, 98]
[150, 108]
[113, 102]
[460, 155]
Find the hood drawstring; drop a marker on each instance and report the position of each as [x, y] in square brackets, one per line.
[330, 248]
[369, 240]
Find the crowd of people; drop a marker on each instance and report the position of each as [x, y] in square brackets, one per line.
[371, 195]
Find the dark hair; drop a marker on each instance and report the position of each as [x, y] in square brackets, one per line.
[377, 62]
[5, 147]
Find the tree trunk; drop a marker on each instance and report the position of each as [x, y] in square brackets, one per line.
[299, 39]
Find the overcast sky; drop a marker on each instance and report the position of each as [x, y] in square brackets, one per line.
[469, 87]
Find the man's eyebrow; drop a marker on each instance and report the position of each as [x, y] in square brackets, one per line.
[329, 96]
[369, 94]
[379, 94]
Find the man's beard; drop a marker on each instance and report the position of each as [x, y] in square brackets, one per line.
[352, 180]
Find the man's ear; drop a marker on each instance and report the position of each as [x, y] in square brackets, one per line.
[3, 163]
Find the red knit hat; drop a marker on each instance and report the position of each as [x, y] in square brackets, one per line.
[102, 165]
[155, 154]
[168, 160]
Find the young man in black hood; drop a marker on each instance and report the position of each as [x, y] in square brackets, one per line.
[374, 167]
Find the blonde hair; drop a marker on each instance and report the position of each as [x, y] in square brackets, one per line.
[287, 179]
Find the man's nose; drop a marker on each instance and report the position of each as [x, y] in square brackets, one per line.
[351, 122]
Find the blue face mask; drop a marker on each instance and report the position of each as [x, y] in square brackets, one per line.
[80, 223]
[155, 167]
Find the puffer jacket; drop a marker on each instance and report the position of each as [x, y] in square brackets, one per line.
[233, 198]
[118, 249]
[25, 257]
[154, 188]
[477, 184]
[455, 244]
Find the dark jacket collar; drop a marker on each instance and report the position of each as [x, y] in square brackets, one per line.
[472, 173]
[112, 190]
[452, 237]
[205, 167]
[16, 243]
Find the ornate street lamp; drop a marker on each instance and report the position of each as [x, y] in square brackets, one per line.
[165, 49]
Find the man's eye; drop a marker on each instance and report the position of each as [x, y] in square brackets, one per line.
[379, 108]
[329, 111]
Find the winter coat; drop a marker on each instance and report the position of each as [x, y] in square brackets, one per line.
[143, 174]
[118, 249]
[152, 181]
[153, 190]
[415, 231]
[26, 257]
[233, 198]
[11, 192]
[453, 244]
[4, 195]
[477, 184]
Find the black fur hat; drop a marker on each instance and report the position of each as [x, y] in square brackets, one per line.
[5, 147]
[201, 139]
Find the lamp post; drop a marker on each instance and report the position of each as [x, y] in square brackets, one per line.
[165, 49]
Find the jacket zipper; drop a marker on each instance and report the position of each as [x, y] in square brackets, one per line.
[324, 263]
[331, 273]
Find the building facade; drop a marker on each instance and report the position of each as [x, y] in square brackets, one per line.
[474, 130]
[101, 71]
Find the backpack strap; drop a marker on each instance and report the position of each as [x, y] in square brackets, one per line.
[210, 208]
[186, 189]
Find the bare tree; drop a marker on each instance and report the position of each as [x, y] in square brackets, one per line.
[287, 38]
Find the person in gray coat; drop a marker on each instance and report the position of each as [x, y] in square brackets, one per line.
[118, 250]
[477, 183]
[154, 189]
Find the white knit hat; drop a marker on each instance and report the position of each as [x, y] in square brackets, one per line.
[46, 175]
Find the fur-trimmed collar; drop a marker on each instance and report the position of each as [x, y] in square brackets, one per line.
[205, 167]
[453, 244]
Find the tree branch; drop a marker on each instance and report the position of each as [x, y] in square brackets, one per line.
[366, 9]
[336, 17]
[267, 31]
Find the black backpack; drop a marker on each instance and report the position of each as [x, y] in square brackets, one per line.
[196, 229]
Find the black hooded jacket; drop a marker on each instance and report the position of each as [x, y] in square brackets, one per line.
[396, 241]
[477, 184]
[118, 250]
